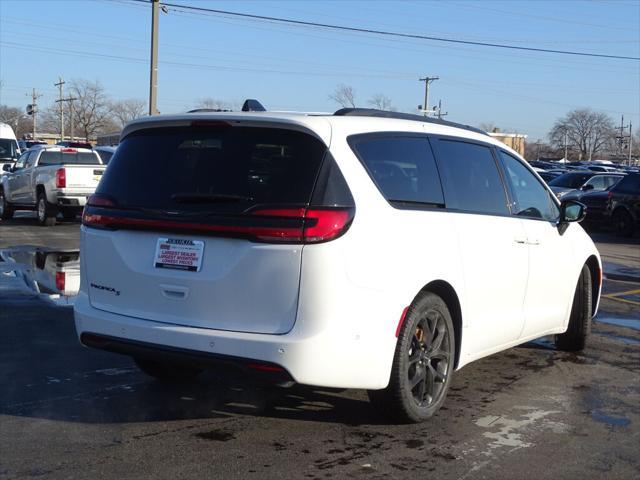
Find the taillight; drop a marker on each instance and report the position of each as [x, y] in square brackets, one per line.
[60, 281]
[97, 200]
[286, 225]
[319, 224]
[61, 178]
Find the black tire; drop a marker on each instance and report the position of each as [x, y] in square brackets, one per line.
[46, 212]
[166, 372]
[575, 338]
[69, 214]
[623, 223]
[422, 365]
[6, 209]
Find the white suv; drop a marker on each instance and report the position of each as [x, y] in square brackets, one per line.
[357, 250]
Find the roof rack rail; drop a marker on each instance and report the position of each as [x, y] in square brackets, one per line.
[199, 110]
[372, 112]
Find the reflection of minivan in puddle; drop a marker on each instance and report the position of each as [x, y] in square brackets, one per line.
[9, 151]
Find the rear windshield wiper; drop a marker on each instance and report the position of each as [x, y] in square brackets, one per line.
[208, 198]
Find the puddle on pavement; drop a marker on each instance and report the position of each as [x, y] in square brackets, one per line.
[612, 420]
[53, 275]
[619, 322]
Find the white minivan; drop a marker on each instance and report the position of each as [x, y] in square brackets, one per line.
[9, 150]
[363, 249]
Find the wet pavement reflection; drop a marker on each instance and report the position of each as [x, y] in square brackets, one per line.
[53, 275]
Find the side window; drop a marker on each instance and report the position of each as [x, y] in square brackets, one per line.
[471, 178]
[21, 161]
[598, 182]
[531, 199]
[30, 160]
[629, 184]
[402, 167]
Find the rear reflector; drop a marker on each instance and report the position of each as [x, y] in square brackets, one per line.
[61, 178]
[265, 367]
[401, 321]
[60, 281]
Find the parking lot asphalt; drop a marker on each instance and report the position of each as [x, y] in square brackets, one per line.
[529, 412]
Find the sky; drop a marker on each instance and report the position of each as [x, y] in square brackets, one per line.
[213, 55]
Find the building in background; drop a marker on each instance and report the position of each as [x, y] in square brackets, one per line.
[513, 140]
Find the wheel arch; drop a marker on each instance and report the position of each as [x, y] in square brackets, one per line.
[445, 291]
[596, 281]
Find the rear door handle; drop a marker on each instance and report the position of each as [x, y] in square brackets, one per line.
[520, 240]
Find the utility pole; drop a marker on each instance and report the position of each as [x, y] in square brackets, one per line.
[60, 100]
[630, 142]
[427, 81]
[33, 108]
[440, 114]
[153, 80]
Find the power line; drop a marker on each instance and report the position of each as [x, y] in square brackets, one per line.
[386, 32]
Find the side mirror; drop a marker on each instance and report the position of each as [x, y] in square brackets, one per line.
[570, 211]
[7, 167]
[587, 187]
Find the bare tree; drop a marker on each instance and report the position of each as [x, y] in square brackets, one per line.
[214, 104]
[381, 102]
[91, 110]
[587, 132]
[126, 110]
[345, 95]
[488, 127]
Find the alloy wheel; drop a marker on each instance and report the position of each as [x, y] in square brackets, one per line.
[429, 359]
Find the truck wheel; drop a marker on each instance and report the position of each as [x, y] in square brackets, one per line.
[69, 214]
[46, 212]
[6, 209]
[422, 365]
[575, 338]
[623, 223]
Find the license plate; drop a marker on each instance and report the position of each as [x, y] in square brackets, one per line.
[179, 254]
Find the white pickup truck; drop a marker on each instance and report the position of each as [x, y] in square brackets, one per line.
[50, 180]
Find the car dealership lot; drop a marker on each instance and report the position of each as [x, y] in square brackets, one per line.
[71, 412]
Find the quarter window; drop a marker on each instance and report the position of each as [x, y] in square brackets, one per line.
[402, 167]
[471, 178]
[531, 199]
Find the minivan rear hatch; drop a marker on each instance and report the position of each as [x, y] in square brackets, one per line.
[204, 225]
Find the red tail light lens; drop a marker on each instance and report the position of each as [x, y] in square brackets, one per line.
[103, 201]
[313, 225]
[68, 150]
[61, 178]
[60, 281]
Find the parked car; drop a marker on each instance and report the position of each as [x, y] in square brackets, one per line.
[105, 153]
[572, 181]
[50, 180]
[596, 203]
[547, 176]
[27, 144]
[9, 150]
[74, 144]
[364, 249]
[623, 207]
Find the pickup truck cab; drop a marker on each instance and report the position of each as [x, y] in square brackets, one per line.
[50, 180]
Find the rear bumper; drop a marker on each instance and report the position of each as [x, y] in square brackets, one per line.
[321, 357]
[181, 356]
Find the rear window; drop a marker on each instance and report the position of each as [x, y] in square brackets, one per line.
[78, 158]
[402, 167]
[105, 156]
[570, 180]
[219, 169]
